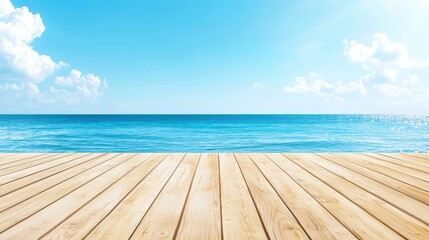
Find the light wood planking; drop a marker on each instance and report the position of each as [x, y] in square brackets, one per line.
[240, 218]
[278, 220]
[162, 219]
[403, 161]
[214, 196]
[368, 162]
[40, 159]
[25, 209]
[402, 201]
[203, 206]
[17, 158]
[37, 224]
[12, 196]
[316, 220]
[85, 219]
[357, 220]
[406, 225]
[405, 188]
[25, 181]
[126, 216]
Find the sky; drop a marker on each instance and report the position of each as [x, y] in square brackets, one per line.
[209, 57]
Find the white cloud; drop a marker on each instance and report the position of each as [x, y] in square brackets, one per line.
[85, 85]
[18, 28]
[26, 89]
[19, 62]
[317, 85]
[257, 86]
[383, 56]
[411, 80]
[390, 90]
[383, 62]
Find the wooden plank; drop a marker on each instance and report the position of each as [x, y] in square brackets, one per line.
[162, 219]
[17, 158]
[16, 196]
[358, 221]
[85, 219]
[388, 165]
[279, 222]
[407, 189]
[316, 220]
[7, 169]
[414, 158]
[39, 168]
[404, 161]
[36, 225]
[401, 201]
[367, 162]
[396, 219]
[29, 179]
[122, 221]
[203, 206]
[25, 209]
[240, 219]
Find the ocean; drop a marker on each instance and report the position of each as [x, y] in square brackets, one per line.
[214, 133]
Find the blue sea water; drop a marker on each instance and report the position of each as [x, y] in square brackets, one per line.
[214, 133]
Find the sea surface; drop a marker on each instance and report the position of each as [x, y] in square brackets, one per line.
[214, 133]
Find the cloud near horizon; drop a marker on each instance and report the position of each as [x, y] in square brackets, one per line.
[383, 62]
[26, 68]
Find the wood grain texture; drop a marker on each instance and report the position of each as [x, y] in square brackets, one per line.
[316, 220]
[393, 183]
[240, 219]
[358, 221]
[83, 221]
[162, 219]
[278, 220]
[126, 216]
[203, 206]
[396, 219]
[214, 196]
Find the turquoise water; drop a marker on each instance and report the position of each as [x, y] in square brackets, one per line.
[214, 133]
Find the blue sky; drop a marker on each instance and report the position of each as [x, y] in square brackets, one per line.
[220, 56]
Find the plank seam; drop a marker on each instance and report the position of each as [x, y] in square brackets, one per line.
[66, 194]
[35, 156]
[176, 231]
[362, 165]
[1, 194]
[398, 164]
[290, 210]
[50, 230]
[374, 172]
[51, 160]
[144, 215]
[63, 181]
[375, 194]
[38, 158]
[44, 177]
[253, 200]
[349, 199]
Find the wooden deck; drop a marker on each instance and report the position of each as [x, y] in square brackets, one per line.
[214, 196]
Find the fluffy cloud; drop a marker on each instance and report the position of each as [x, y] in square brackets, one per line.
[317, 85]
[383, 62]
[76, 86]
[385, 57]
[18, 28]
[391, 90]
[19, 62]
